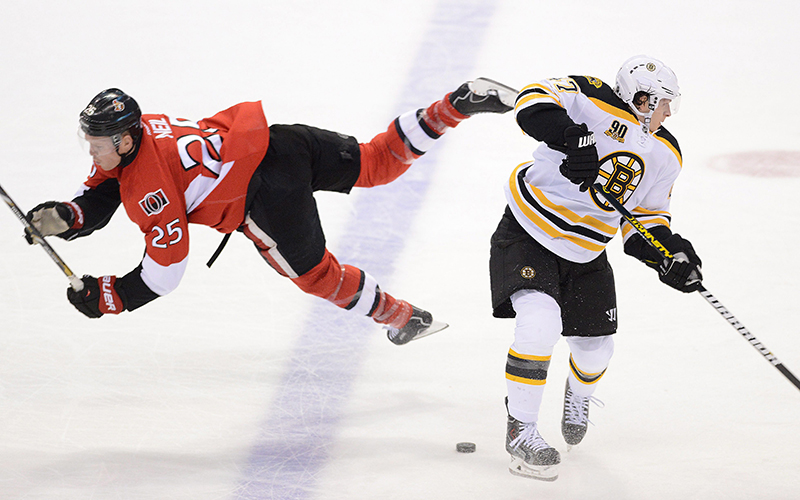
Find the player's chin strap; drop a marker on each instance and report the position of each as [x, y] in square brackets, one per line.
[653, 242]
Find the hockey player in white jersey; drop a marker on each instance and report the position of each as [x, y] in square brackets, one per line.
[548, 262]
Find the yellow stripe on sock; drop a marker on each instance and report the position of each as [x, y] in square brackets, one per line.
[528, 356]
[525, 380]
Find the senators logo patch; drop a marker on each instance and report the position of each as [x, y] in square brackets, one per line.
[622, 172]
[154, 203]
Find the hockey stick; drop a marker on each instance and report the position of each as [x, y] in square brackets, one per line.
[75, 282]
[735, 323]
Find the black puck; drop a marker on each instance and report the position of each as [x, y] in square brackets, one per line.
[465, 447]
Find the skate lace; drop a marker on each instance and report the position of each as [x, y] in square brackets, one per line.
[576, 409]
[530, 437]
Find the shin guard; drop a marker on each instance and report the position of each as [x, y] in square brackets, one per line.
[538, 328]
[354, 290]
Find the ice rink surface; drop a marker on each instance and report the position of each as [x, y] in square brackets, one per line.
[237, 385]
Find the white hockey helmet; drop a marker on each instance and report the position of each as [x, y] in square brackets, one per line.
[649, 75]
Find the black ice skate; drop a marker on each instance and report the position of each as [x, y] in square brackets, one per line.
[420, 324]
[483, 96]
[575, 420]
[531, 456]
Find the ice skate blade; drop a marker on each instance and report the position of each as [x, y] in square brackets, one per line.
[518, 467]
[506, 94]
[436, 326]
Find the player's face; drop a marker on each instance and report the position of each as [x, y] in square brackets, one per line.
[103, 152]
[660, 114]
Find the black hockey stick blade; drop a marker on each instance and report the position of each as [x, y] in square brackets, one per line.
[75, 282]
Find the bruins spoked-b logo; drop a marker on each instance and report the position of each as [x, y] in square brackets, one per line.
[527, 272]
[154, 203]
[622, 172]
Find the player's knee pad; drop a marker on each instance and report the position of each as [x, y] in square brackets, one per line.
[588, 361]
[386, 157]
[591, 354]
[538, 318]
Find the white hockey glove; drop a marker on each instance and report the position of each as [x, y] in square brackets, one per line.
[51, 218]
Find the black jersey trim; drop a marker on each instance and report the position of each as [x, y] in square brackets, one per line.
[669, 139]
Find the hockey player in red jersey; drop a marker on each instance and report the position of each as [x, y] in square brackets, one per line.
[548, 262]
[234, 172]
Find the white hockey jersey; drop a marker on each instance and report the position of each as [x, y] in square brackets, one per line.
[636, 166]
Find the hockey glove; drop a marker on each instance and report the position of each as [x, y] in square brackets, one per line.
[97, 298]
[683, 272]
[52, 218]
[581, 164]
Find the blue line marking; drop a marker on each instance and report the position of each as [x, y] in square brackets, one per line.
[294, 439]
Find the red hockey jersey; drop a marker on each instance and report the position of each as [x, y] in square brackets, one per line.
[187, 172]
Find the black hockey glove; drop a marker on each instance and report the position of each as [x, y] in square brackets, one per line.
[581, 164]
[50, 218]
[98, 297]
[683, 272]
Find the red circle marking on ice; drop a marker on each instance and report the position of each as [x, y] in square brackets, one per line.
[759, 163]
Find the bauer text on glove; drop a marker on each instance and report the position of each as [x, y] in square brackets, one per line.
[98, 297]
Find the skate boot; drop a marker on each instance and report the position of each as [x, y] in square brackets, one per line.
[531, 456]
[483, 96]
[575, 420]
[420, 324]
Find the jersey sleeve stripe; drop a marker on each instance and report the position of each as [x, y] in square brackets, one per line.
[534, 94]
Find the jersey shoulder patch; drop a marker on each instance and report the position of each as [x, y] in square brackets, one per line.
[602, 95]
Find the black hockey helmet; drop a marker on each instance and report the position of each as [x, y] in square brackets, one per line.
[110, 113]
